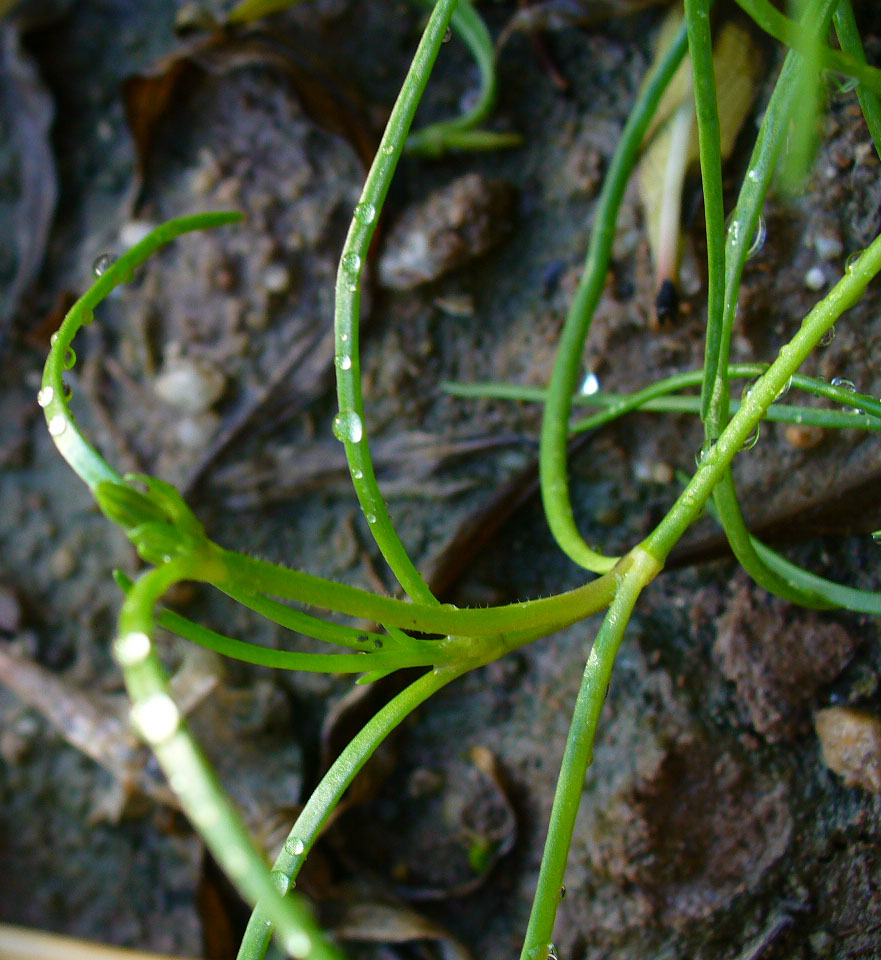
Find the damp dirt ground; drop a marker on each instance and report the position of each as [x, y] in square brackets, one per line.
[710, 827]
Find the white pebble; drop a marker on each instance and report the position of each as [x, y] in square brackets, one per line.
[134, 231]
[190, 385]
[277, 278]
[815, 278]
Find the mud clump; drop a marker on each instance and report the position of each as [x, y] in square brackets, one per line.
[851, 742]
[778, 656]
[456, 224]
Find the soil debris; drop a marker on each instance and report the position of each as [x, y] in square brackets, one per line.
[453, 225]
[778, 656]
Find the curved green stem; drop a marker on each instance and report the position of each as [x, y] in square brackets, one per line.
[578, 755]
[203, 799]
[460, 134]
[84, 460]
[849, 38]
[330, 790]
[349, 426]
[792, 34]
[554, 430]
[717, 459]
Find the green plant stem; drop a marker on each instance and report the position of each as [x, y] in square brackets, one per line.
[548, 613]
[790, 33]
[787, 97]
[349, 425]
[370, 659]
[700, 46]
[658, 398]
[849, 38]
[460, 134]
[202, 797]
[330, 790]
[83, 459]
[578, 756]
[717, 459]
[554, 430]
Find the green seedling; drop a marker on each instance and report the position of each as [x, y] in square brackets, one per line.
[175, 545]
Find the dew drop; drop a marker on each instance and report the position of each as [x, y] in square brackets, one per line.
[704, 453]
[294, 846]
[365, 213]
[344, 362]
[845, 384]
[157, 718]
[735, 228]
[347, 427]
[45, 396]
[784, 390]
[759, 237]
[448, 35]
[132, 649]
[852, 261]
[370, 518]
[828, 337]
[281, 881]
[53, 339]
[344, 338]
[103, 263]
[57, 425]
[590, 385]
[69, 359]
[754, 176]
[388, 149]
[751, 440]
[351, 262]
[357, 474]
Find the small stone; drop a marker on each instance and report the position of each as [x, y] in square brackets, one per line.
[62, 563]
[828, 246]
[851, 744]
[452, 226]
[134, 231]
[277, 278]
[802, 436]
[190, 385]
[815, 278]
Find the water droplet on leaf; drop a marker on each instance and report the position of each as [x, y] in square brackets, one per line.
[365, 213]
[347, 427]
[57, 425]
[103, 263]
[828, 337]
[45, 396]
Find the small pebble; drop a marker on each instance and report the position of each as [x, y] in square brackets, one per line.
[828, 246]
[62, 563]
[851, 744]
[803, 437]
[134, 231]
[190, 385]
[815, 278]
[277, 278]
